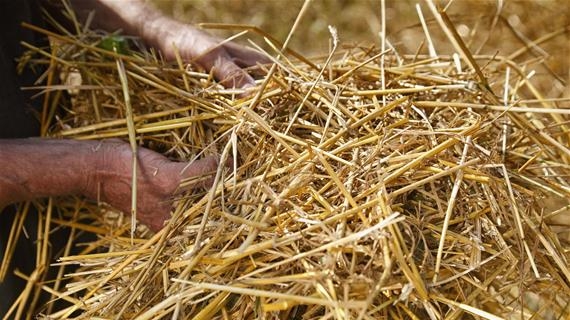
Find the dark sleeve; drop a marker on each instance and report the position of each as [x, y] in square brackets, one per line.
[18, 112]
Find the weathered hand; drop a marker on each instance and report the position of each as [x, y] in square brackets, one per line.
[226, 60]
[158, 180]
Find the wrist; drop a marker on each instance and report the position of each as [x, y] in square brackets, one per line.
[163, 33]
[93, 165]
[105, 161]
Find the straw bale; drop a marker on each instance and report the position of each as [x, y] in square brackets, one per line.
[370, 185]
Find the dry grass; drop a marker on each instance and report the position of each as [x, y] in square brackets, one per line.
[376, 185]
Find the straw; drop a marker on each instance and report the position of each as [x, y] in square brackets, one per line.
[367, 184]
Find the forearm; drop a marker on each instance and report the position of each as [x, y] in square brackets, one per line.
[33, 168]
[99, 170]
[133, 17]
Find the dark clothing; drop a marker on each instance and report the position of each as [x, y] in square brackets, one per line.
[17, 120]
[17, 109]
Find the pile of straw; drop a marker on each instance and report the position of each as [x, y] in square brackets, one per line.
[366, 184]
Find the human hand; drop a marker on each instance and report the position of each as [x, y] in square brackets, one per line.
[225, 60]
[158, 180]
[140, 18]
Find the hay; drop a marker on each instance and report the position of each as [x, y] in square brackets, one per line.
[367, 185]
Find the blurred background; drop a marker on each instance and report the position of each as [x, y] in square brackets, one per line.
[488, 27]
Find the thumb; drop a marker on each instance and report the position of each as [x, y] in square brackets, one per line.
[198, 173]
[230, 75]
